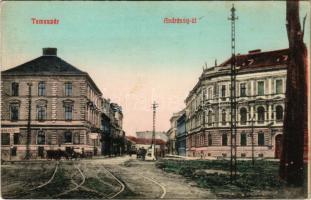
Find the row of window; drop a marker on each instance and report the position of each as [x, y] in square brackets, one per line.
[41, 112]
[69, 137]
[208, 94]
[243, 89]
[200, 139]
[41, 89]
[260, 88]
[261, 113]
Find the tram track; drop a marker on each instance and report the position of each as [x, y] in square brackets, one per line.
[152, 180]
[111, 196]
[76, 185]
[50, 180]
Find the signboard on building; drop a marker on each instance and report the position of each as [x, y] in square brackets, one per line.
[93, 136]
[10, 130]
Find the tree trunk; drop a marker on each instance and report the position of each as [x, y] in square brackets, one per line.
[295, 121]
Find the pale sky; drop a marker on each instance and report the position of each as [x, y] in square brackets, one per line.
[135, 58]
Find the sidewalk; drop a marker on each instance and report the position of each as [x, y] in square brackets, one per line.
[167, 156]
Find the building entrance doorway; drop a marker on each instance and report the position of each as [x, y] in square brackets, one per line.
[278, 146]
[41, 152]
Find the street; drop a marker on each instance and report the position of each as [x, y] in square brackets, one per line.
[118, 178]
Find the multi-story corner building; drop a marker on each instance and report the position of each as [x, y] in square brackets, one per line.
[48, 104]
[181, 134]
[113, 136]
[260, 93]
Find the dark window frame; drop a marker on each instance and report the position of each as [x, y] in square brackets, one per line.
[14, 112]
[261, 114]
[41, 138]
[223, 91]
[210, 118]
[16, 138]
[277, 89]
[68, 112]
[223, 117]
[41, 88]
[224, 139]
[243, 139]
[261, 139]
[243, 89]
[260, 88]
[41, 113]
[279, 113]
[5, 138]
[15, 89]
[243, 116]
[68, 89]
[68, 137]
[13, 151]
[210, 139]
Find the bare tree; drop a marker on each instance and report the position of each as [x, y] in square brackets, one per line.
[295, 121]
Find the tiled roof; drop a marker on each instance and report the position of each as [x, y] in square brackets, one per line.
[44, 65]
[257, 59]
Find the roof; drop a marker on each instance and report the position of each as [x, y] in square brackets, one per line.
[48, 65]
[258, 59]
[44, 65]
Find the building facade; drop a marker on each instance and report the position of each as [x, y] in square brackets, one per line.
[143, 139]
[48, 104]
[171, 134]
[113, 136]
[260, 93]
[181, 135]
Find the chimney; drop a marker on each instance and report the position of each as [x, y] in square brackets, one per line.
[49, 51]
[254, 51]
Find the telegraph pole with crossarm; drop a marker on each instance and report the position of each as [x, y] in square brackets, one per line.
[233, 103]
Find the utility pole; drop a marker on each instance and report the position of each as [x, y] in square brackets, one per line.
[233, 131]
[153, 143]
[27, 157]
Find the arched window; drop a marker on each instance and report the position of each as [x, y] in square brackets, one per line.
[279, 113]
[41, 137]
[209, 118]
[223, 117]
[224, 139]
[68, 137]
[261, 114]
[210, 140]
[243, 115]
